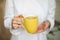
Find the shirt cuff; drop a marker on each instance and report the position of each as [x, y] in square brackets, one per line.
[51, 23]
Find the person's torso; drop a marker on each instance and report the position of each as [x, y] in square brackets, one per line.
[26, 36]
[32, 7]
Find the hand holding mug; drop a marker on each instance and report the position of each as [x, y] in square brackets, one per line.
[43, 26]
[17, 21]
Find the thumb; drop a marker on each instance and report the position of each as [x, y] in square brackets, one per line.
[39, 30]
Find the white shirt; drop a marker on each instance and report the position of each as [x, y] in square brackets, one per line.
[44, 9]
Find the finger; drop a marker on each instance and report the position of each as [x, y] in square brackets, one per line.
[45, 26]
[18, 26]
[17, 22]
[15, 26]
[42, 27]
[17, 19]
[39, 29]
[20, 16]
[16, 16]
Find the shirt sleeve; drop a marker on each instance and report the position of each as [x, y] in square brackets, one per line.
[9, 15]
[51, 12]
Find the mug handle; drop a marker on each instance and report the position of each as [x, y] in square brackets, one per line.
[22, 26]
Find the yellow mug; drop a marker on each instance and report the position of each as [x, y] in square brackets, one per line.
[30, 24]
